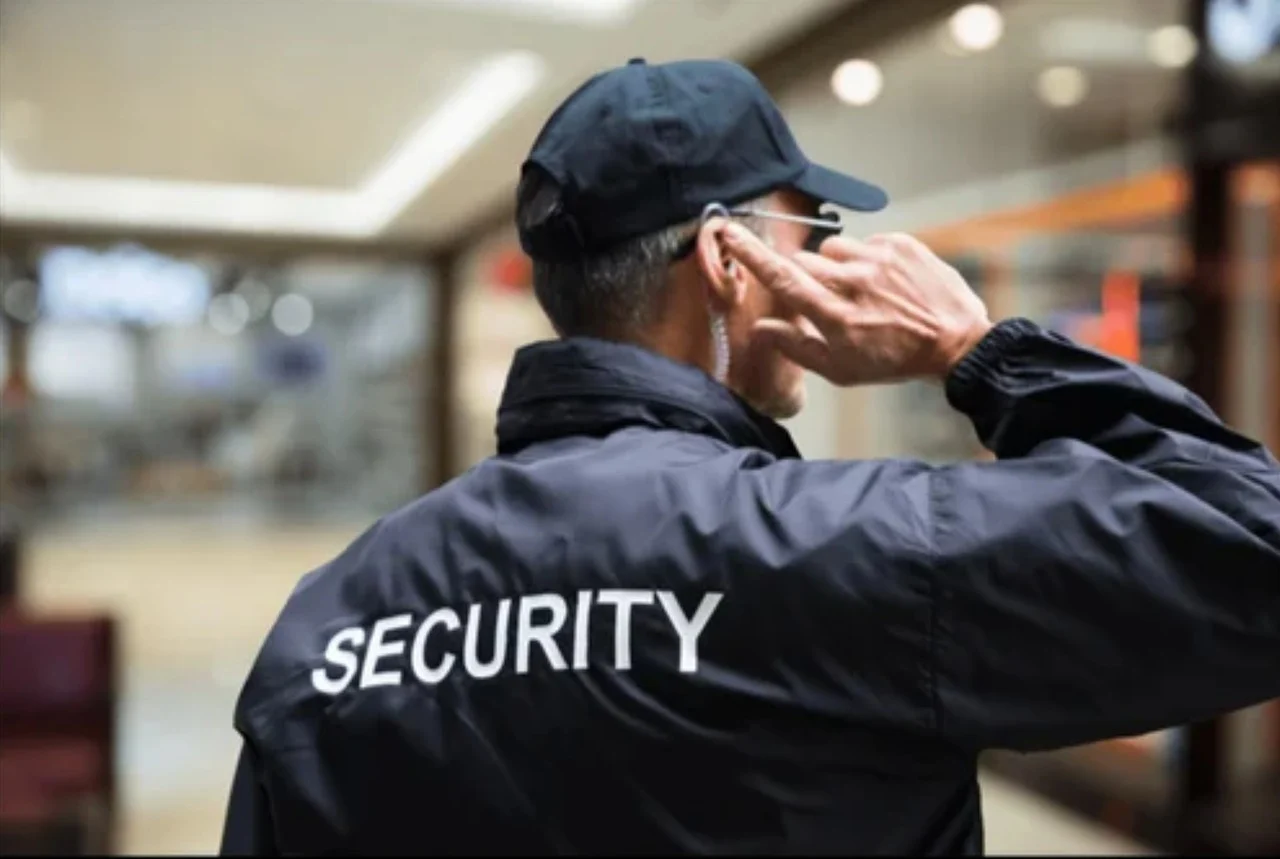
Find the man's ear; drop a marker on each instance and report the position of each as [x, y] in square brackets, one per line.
[725, 279]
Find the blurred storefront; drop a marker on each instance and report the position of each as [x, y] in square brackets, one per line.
[140, 381]
[187, 426]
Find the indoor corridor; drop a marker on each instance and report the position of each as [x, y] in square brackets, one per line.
[265, 268]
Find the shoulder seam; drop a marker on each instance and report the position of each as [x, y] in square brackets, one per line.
[931, 579]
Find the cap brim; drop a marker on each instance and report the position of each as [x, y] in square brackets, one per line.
[828, 186]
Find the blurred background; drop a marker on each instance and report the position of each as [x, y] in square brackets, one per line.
[259, 285]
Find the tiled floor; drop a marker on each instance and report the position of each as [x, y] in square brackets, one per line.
[195, 596]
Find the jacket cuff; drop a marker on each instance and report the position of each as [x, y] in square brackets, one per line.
[971, 384]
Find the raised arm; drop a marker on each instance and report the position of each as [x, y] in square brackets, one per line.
[1116, 570]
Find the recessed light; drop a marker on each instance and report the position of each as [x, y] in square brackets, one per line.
[857, 82]
[1062, 86]
[1172, 47]
[977, 26]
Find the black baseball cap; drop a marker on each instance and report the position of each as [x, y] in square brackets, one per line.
[641, 147]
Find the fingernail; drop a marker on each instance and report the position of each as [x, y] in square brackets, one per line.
[735, 232]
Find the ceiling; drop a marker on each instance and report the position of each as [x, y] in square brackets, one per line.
[953, 135]
[945, 121]
[346, 118]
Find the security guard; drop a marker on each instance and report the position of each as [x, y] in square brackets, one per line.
[648, 626]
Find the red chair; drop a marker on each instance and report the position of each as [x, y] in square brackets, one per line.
[57, 729]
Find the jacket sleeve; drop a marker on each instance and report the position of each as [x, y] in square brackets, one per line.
[248, 829]
[1115, 571]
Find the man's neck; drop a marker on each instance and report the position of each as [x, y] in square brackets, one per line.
[672, 344]
[674, 332]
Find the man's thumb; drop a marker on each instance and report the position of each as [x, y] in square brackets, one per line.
[808, 350]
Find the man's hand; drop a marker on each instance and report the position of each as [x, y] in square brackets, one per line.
[884, 310]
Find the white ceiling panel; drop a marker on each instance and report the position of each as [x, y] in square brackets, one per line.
[328, 117]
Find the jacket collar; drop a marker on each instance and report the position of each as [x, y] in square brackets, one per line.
[584, 386]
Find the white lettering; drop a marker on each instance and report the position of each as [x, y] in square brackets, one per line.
[379, 649]
[623, 600]
[470, 658]
[377, 655]
[336, 653]
[688, 629]
[527, 633]
[448, 618]
[581, 630]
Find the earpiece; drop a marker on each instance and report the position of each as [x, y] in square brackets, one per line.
[718, 210]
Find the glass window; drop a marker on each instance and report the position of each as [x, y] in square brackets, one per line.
[162, 382]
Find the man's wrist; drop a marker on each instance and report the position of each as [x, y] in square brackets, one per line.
[964, 343]
[967, 384]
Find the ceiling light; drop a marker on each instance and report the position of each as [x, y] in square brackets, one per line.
[1172, 47]
[228, 314]
[1062, 86]
[857, 82]
[977, 26]
[292, 315]
[483, 99]
[176, 205]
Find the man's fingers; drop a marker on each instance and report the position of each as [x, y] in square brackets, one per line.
[806, 348]
[847, 278]
[899, 243]
[781, 276]
[808, 329]
[845, 249]
[888, 239]
[822, 268]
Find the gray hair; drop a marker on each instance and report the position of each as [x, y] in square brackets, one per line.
[612, 294]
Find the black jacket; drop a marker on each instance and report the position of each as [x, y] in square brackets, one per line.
[706, 644]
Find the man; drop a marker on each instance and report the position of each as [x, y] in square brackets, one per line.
[648, 626]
